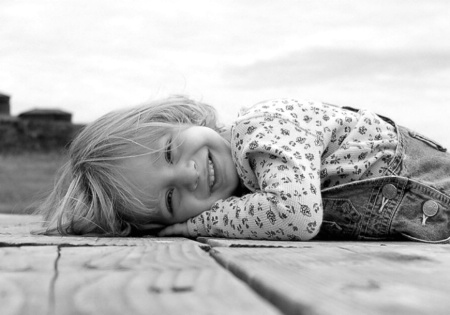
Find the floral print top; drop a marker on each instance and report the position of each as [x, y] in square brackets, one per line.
[285, 152]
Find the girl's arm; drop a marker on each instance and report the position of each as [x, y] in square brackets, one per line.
[280, 162]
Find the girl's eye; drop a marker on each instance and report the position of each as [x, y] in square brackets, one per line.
[169, 195]
[168, 152]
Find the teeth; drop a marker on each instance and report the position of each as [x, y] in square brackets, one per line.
[211, 173]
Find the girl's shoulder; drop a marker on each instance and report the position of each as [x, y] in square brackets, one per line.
[287, 106]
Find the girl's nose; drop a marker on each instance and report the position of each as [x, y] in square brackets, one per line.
[188, 175]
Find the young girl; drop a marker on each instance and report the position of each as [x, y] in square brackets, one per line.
[285, 170]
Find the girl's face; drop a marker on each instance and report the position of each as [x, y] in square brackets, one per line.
[193, 170]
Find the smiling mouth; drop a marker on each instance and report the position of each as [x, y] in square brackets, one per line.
[212, 177]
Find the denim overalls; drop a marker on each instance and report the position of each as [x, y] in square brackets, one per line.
[410, 202]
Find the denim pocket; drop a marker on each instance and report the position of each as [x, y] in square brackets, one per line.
[422, 215]
[428, 141]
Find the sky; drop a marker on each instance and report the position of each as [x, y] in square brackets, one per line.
[89, 57]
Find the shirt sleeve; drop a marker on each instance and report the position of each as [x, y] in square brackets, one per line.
[280, 163]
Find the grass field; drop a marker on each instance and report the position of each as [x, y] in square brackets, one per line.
[25, 179]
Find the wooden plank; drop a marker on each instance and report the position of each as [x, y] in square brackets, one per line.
[224, 242]
[349, 278]
[18, 224]
[17, 259]
[26, 275]
[17, 219]
[29, 239]
[17, 229]
[158, 278]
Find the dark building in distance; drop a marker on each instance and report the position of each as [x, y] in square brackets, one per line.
[35, 130]
[46, 115]
[4, 104]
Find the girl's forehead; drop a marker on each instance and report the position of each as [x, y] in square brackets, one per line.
[155, 140]
[153, 137]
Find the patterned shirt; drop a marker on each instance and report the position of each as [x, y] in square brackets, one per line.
[285, 152]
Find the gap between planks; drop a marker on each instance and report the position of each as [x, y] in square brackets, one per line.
[345, 277]
[122, 280]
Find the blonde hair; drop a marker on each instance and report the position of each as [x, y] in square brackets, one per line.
[90, 196]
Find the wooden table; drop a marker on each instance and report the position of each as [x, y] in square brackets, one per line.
[88, 275]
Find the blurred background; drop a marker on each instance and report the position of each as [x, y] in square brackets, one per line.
[87, 57]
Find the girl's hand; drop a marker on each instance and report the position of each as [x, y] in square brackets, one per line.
[180, 229]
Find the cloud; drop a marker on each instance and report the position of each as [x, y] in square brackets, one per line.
[322, 65]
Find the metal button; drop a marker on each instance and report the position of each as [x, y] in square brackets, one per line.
[430, 208]
[389, 191]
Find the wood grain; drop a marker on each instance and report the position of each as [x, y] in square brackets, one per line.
[17, 230]
[26, 276]
[347, 278]
[81, 275]
[177, 278]
[29, 239]
[223, 242]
